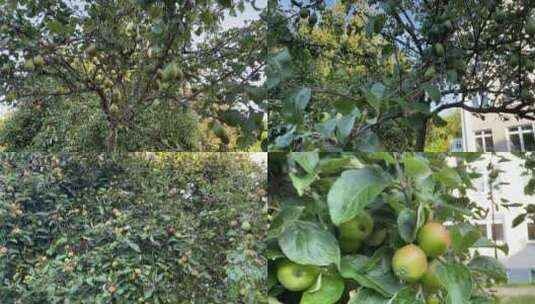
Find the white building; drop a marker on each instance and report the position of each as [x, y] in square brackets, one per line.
[494, 133]
[520, 262]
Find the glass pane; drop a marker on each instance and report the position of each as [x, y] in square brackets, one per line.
[497, 232]
[513, 129]
[515, 142]
[489, 144]
[529, 142]
[488, 132]
[531, 231]
[479, 144]
[527, 127]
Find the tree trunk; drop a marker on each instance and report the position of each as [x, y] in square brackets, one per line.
[111, 144]
[421, 134]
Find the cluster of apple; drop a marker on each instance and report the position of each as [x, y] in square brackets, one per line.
[409, 263]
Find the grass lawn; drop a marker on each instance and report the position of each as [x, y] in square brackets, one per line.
[518, 300]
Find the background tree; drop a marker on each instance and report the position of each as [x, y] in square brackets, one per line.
[439, 136]
[136, 75]
[444, 54]
[144, 227]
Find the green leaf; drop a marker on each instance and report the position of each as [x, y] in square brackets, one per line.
[406, 295]
[307, 160]
[463, 236]
[433, 91]
[353, 191]
[375, 95]
[55, 26]
[519, 219]
[284, 218]
[345, 124]
[326, 128]
[327, 290]
[457, 280]
[367, 296]
[407, 221]
[488, 266]
[373, 273]
[416, 166]
[305, 243]
[133, 245]
[302, 183]
[448, 177]
[301, 99]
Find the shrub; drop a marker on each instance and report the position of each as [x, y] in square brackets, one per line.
[134, 228]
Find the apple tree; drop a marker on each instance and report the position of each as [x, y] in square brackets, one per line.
[376, 228]
[418, 58]
[131, 75]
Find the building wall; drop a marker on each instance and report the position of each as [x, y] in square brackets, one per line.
[516, 238]
[498, 124]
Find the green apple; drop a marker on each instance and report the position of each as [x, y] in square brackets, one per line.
[359, 227]
[296, 277]
[409, 263]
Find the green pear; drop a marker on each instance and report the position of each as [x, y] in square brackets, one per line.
[438, 48]
[116, 95]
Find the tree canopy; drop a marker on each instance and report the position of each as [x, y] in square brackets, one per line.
[132, 75]
[395, 63]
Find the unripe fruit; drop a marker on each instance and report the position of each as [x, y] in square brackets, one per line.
[39, 60]
[91, 50]
[116, 95]
[409, 263]
[108, 83]
[530, 26]
[434, 239]
[28, 65]
[359, 227]
[246, 225]
[438, 48]
[114, 109]
[430, 279]
[350, 245]
[432, 299]
[296, 277]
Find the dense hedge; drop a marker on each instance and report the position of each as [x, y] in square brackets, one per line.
[136, 228]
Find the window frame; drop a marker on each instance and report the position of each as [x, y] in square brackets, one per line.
[518, 131]
[482, 135]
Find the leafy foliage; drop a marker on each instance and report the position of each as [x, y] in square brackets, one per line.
[134, 71]
[380, 71]
[403, 193]
[151, 228]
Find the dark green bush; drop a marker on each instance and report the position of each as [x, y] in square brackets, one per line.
[136, 228]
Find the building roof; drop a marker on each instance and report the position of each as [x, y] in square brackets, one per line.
[525, 258]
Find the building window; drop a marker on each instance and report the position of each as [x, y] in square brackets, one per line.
[521, 138]
[497, 232]
[532, 275]
[484, 141]
[531, 231]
